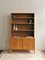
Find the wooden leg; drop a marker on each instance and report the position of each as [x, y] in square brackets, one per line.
[10, 50]
[32, 51]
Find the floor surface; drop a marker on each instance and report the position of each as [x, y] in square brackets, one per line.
[38, 55]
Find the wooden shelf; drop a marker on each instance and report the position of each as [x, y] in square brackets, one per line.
[23, 37]
[22, 30]
[18, 18]
[23, 24]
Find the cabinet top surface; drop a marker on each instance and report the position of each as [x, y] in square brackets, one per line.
[24, 37]
[22, 13]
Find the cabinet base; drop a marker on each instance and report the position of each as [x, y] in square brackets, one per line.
[22, 51]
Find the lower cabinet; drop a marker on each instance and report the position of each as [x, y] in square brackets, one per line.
[22, 44]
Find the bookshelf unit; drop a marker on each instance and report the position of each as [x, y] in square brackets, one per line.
[22, 31]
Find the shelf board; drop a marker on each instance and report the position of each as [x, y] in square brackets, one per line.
[23, 24]
[23, 37]
[23, 18]
[22, 30]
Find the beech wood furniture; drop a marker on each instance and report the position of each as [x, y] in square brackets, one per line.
[22, 31]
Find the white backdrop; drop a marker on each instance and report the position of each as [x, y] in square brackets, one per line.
[22, 6]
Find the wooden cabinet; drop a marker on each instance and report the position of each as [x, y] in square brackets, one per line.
[22, 31]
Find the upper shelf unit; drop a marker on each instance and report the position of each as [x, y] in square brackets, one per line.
[22, 23]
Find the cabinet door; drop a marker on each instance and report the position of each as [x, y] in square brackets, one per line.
[17, 43]
[32, 44]
[11, 44]
[26, 44]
